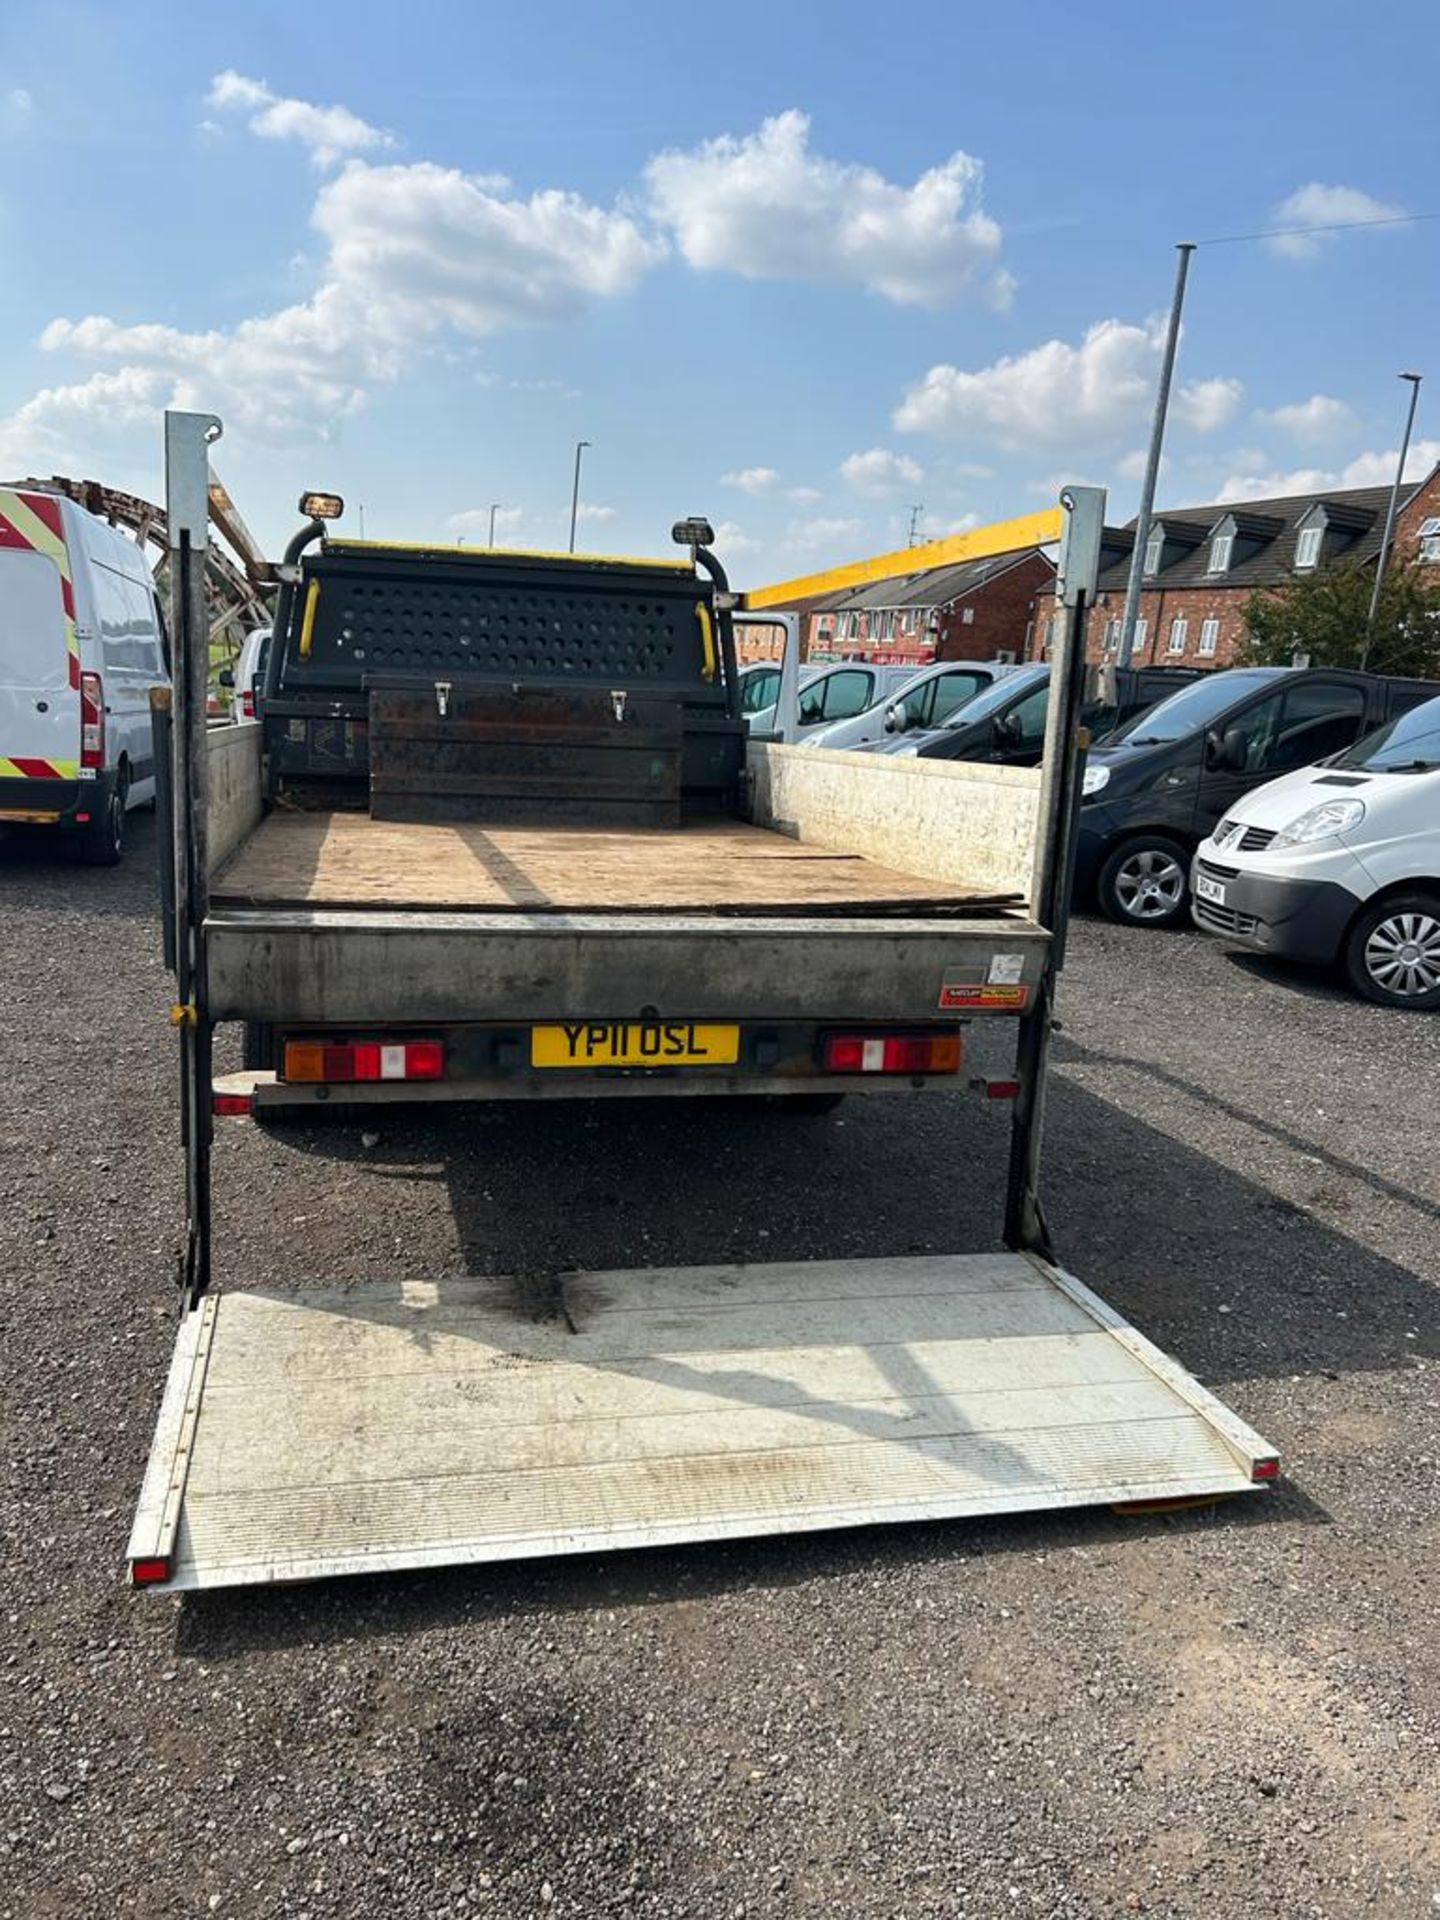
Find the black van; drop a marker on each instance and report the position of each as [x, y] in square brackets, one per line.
[1006, 722]
[1155, 789]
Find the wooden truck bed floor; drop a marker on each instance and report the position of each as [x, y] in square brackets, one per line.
[713, 866]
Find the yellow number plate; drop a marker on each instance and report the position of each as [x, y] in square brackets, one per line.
[634, 1043]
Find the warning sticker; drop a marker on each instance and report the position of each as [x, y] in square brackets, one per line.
[997, 998]
[1006, 969]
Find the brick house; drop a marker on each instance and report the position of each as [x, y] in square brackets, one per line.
[1203, 563]
[974, 610]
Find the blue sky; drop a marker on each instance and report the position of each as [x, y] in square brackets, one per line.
[795, 266]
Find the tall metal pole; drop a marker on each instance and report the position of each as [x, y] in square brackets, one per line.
[494, 509]
[580, 446]
[1384, 555]
[1135, 583]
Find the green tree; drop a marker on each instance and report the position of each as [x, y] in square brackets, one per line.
[1325, 614]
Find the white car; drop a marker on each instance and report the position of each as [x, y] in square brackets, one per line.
[81, 646]
[924, 699]
[1339, 862]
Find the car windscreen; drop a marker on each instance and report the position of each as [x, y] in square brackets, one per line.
[1410, 744]
[1194, 707]
[1000, 693]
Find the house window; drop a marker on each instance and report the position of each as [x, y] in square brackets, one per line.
[1210, 636]
[1221, 548]
[826, 624]
[1154, 547]
[967, 616]
[1179, 628]
[1112, 636]
[1307, 547]
[1430, 538]
[1142, 629]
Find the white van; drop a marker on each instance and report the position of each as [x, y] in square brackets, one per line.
[81, 645]
[248, 677]
[1339, 861]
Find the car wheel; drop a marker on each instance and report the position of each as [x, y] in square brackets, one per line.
[1392, 954]
[1144, 883]
[102, 841]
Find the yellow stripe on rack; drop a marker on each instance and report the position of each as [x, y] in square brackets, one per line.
[1003, 536]
[509, 553]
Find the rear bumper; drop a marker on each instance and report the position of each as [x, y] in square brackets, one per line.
[1294, 919]
[334, 968]
[39, 802]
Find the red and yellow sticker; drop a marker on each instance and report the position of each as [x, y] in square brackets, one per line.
[32, 522]
[997, 997]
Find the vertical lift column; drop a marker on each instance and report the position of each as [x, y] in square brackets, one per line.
[1061, 774]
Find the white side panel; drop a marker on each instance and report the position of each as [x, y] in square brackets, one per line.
[235, 797]
[426, 1424]
[941, 819]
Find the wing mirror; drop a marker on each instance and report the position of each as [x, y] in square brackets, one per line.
[1227, 752]
[897, 719]
[226, 676]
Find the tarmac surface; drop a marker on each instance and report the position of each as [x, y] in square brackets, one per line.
[1232, 1712]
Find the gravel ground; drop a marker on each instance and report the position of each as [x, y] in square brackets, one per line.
[1230, 1712]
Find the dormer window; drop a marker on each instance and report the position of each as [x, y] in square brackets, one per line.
[1307, 547]
[1154, 547]
[1221, 548]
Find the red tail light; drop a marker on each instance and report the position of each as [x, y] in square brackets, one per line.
[92, 720]
[149, 1573]
[893, 1053]
[364, 1060]
[247, 704]
[230, 1103]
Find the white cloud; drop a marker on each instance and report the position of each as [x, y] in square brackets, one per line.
[878, 472]
[1131, 466]
[1314, 205]
[588, 513]
[415, 252]
[1058, 394]
[751, 479]
[1369, 469]
[731, 540]
[804, 496]
[811, 536]
[1207, 405]
[1319, 418]
[330, 133]
[473, 524]
[21, 99]
[766, 207]
[58, 424]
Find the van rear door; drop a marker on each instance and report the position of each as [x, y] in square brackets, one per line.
[39, 667]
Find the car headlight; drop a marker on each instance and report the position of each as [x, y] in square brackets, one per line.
[1096, 780]
[1318, 823]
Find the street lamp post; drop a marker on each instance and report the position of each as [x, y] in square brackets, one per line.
[494, 509]
[1135, 583]
[580, 446]
[1382, 558]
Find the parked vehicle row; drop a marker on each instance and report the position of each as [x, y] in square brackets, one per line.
[1193, 791]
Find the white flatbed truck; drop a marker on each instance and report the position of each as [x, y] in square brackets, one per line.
[828, 930]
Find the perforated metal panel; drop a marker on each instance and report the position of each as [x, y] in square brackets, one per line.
[377, 616]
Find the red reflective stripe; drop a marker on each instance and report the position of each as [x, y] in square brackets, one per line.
[36, 769]
[46, 507]
[74, 670]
